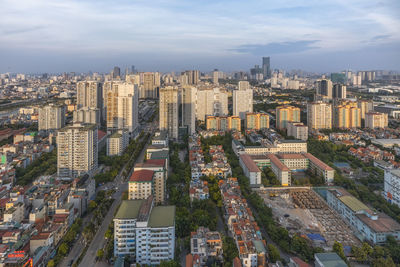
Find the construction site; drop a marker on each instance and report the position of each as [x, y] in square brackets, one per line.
[301, 210]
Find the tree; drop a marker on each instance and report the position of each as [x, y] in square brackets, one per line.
[338, 248]
[63, 249]
[388, 262]
[273, 253]
[51, 263]
[100, 253]
[170, 263]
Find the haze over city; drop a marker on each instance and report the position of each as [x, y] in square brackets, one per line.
[321, 36]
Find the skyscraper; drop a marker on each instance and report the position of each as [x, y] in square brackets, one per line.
[90, 95]
[169, 111]
[122, 106]
[347, 115]
[51, 117]
[77, 150]
[193, 76]
[116, 73]
[285, 114]
[266, 67]
[189, 98]
[319, 115]
[324, 88]
[211, 102]
[242, 100]
[215, 76]
[339, 91]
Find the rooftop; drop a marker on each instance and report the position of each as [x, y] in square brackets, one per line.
[383, 224]
[142, 176]
[250, 164]
[162, 216]
[330, 260]
[129, 209]
[353, 203]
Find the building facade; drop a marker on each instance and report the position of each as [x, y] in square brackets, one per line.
[242, 102]
[319, 115]
[285, 114]
[298, 130]
[257, 121]
[376, 120]
[169, 114]
[51, 118]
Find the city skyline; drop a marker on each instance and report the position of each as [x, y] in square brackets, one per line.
[45, 36]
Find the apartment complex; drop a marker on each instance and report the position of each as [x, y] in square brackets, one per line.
[324, 88]
[87, 115]
[339, 91]
[319, 115]
[211, 102]
[347, 116]
[242, 100]
[77, 150]
[392, 186]
[257, 121]
[117, 142]
[285, 114]
[298, 130]
[160, 175]
[189, 103]
[376, 120]
[89, 94]
[122, 104]
[373, 226]
[141, 184]
[51, 117]
[144, 232]
[365, 106]
[223, 123]
[250, 169]
[169, 113]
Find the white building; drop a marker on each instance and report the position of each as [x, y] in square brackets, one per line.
[117, 142]
[77, 150]
[87, 115]
[250, 169]
[298, 130]
[144, 232]
[319, 115]
[242, 101]
[141, 184]
[89, 94]
[372, 226]
[122, 104]
[211, 102]
[392, 186]
[51, 117]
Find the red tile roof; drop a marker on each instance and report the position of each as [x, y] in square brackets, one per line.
[250, 165]
[142, 176]
[318, 162]
[100, 135]
[278, 163]
[156, 162]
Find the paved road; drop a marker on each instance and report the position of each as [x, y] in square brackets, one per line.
[98, 241]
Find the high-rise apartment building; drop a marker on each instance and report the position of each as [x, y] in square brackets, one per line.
[169, 113]
[339, 91]
[211, 102]
[51, 117]
[141, 184]
[257, 121]
[215, 76]
[122, 106]
[223, 123]
[143, 232]
[298, 130]
[87, 115]
[319, 115]
[242, 101]
[376, 120]
[77, 150]
[324, 88]
[117, 142]
[189, 103]
[192, 77]
[365, 106]
[266, 67]
[347, 116]
[151, 83]
[243, 85]
[90, 95]
[116, 73]
[285, 114]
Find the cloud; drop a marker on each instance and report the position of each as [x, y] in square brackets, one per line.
[380, 37]
[277, 48]
[22, 30]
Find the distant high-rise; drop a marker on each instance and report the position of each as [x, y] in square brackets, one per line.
[193, 76]
[319, 115]
[211, 102]
[77, 150]
[189, 98]
[324, 88]
[243, 85]
[242, 100]
[51, 117]
[87, 115]
[215, 76]
[376, 120]
[257, 121]
[266, 67]
[151, 84]
[285, 114]
[122, 106]
[347, 115]
[169, 114]
[365, 106]
[339, 91]
[116, 73]
[90, 95]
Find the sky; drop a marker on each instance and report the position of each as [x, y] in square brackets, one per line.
[172, 35]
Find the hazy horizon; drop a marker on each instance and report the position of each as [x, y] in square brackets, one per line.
[317, 36]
